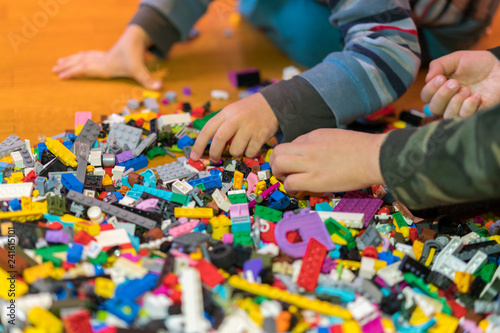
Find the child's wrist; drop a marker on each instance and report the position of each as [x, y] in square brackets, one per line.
[373, 173]
[138, 35]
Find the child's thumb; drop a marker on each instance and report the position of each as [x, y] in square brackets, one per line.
[144, 77]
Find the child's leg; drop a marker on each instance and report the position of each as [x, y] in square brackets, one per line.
[300, 28]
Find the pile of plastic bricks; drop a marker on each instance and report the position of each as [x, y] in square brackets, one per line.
[92, 240]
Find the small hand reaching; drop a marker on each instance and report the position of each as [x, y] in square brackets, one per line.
[124, 59]
[473, 83]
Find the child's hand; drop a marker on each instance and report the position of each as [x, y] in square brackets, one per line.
[250, 121]
[327, 160]
[474, 83]
[124, 59]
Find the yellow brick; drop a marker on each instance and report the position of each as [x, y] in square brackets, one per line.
[91, 228]
[445, 324]
[194, 213]
[260, 187]
[463, 281]
[104, 287]
[5, 227]
[418, 317]
[64, 154]
[275, 180]
[45, 320]
[34, 273]
[268, 155]
[8, 293]
[351, 326]
[238, 180]
[418, 247]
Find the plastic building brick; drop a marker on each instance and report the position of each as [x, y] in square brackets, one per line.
[221, 200]
[237, 197]
[95, 158]
[369, 207]
[15, 191]
[151, 104]
[194, 213]
[111, 210]
[174, 170]
[123, 157]
[370, 237]
[148, 141]
[88, 134]
[27, 158]
[268, 214]
[71, 182]
[45, 320]
[12, 143]
[31, 211]
[182, 187]
[166, 195]
[174, 120]
[244, 78]
[208, 182]
[192, 302]
[64, 154]
[351, 220]
[209, 274]
[136, 163]
[77, 322]
[311, 265]
[126, 137]
[297, 300]
[81, 118]
[335, 228]
[57, 236]
[265, 194]
[220, 226]
[308, 225]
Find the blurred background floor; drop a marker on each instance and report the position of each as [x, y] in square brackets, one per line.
[34, 101]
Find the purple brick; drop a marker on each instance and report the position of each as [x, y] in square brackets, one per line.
[125, 156]
[367, 206]
[255, 266]
[57, 236]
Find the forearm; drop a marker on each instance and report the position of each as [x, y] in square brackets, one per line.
[160, 31]
[168, 21]
[379, 62]
[446, 162]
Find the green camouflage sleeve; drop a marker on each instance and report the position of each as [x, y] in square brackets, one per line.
[446, 162]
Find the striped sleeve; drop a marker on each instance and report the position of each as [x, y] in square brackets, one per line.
[183, 14]
[380, 59]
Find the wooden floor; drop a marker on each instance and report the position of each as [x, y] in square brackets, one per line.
[34, 102]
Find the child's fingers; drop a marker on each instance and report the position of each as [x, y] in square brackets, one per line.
[431, 88]
[205, 135]
[284, 165]
[453, 108]
[144, 77]
[253, 147]
[297, 182]
[443, 96]
[221, 137]
[470, 105]
[435, 68]
[239, 143]
[72, 72]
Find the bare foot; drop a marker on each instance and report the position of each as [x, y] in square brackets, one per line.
[124, 59]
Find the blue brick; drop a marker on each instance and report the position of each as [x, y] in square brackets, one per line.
[41, 148]
[15, 205]
[265, 166]
[185, 141]
[137, 163]
[208, 182]
[132, 289]
[323, 207]
[75, 253]
[71, 182]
